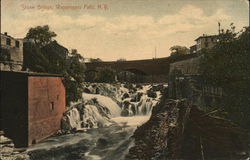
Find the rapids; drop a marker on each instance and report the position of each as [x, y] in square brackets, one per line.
[100, 126]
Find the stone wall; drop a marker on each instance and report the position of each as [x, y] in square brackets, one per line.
[186, 82]
[188, 66]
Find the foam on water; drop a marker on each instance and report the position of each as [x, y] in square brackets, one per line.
[93, 119]
[114, 109]
[131, 121]
[74, 118]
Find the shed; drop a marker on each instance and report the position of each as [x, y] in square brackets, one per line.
[31, 105]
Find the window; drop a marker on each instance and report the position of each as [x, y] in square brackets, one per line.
[206, 44]
[8, 42]
[17, 44]
[52, 106]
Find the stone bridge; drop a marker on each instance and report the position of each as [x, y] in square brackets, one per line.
[155, 70]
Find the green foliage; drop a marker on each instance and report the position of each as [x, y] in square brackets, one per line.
[121, 60]
[41, 35]
[74, 76]
[93, 60]
[178, 50]
[54, 58]
[106, 74]
[227, 65]
[34, 59]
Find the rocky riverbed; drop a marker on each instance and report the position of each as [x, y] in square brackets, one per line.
[101, 102]
[179, 130]
[129, 121]
[100, 125]
[8, 152]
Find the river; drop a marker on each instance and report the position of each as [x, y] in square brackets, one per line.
[100, 130]
[107, 143]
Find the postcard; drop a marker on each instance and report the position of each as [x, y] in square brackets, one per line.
[124, 79]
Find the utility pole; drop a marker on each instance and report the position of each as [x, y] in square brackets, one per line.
[155, 52]
[219, 26]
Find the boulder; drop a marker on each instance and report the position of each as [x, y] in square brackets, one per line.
[125, 95]
[151, 94]
[86, 90]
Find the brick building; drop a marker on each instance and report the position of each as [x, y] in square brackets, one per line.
[11, 57]
[32, 105]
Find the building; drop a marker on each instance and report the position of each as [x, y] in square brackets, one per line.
[54, 45]
[11, 58]
[193, 49]
[205, 42]
[32, 105]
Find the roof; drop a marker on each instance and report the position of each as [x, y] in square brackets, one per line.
[56, 44]
[205, 36]
[33, 73]
[18, 39]
[7, 36]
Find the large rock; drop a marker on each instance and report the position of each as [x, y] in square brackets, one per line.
[177, 130]
[137, 97]
[151, 94]
[8, 152]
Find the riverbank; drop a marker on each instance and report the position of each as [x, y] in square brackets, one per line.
[178, 130]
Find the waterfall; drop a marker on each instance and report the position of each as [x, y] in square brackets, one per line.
[139, 102]
[74, 118]
[103, 102]
[114, 108]
[92, 118]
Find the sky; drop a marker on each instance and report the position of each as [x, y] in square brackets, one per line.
[129, 29]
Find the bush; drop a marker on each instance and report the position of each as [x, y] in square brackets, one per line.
[227, 65]
[106, 74]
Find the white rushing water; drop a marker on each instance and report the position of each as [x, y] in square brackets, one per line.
[113, 107]
[106, 119]
[116, 101]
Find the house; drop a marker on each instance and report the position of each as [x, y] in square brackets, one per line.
[193, 49]
[54, 45]
[205, 42]
[31, 106]
[11, 57]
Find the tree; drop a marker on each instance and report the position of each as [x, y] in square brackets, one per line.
[74, 76]
[51, 57]
[94, 60]
[227, 65]
[106, 74]
[121, 60]
[57, 56]
[178, 50]
[41, 35]
[34, 60]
